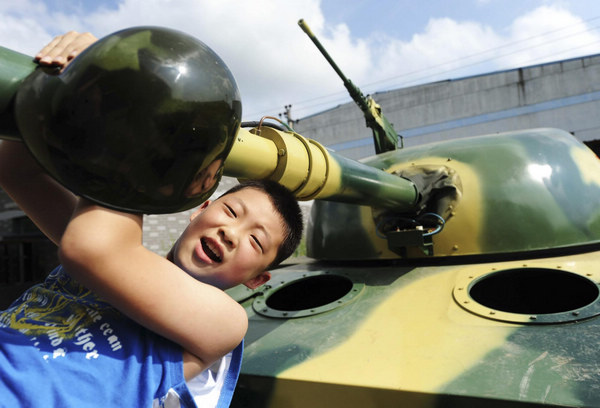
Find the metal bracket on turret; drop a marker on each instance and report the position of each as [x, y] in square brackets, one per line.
[400, 241]
[440, 190]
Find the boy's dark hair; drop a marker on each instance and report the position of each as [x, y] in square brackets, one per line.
[287, 206]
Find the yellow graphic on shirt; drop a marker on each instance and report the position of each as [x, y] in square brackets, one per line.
[58, 310]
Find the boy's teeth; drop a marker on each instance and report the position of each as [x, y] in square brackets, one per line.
[211, 251]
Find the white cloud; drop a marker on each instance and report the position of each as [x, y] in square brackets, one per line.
[22, 35]
[259, 40]
[565, 36]
[441, 48]
[276, 64]
[448, 48]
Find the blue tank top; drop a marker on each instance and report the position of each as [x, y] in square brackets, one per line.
[62, 346]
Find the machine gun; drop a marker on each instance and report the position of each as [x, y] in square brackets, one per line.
[384, 135]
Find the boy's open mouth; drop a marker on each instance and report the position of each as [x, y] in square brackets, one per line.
[210, 250]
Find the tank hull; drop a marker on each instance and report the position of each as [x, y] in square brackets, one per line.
[406, 339]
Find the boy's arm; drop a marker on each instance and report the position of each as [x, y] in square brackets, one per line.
[103, 250]
[47, 203]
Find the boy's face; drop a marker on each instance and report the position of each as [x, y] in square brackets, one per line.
[231, 240]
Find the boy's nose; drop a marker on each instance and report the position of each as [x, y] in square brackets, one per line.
[229, 236]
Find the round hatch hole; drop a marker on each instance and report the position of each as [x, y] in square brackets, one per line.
[307, 296]
[533, 295]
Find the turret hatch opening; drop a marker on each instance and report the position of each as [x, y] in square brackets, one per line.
[529, 295]
[309, 295]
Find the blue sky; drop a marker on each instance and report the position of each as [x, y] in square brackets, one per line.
[379, 44]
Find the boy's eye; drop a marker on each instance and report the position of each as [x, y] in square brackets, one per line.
[258, 243]
[230, 211]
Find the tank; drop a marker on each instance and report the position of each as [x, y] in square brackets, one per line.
[497, 307]
[456, 274]
[482, 293]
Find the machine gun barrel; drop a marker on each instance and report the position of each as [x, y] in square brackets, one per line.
[384, 135]
[313, 172]
[354, 91]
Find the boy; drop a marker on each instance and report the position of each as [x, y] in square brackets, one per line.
[66, 343]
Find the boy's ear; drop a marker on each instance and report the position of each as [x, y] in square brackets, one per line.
[200, 209]
[258, 280]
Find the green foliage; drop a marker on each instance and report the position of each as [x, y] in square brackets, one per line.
[301, 250]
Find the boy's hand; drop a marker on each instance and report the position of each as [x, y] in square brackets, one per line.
[63, 48]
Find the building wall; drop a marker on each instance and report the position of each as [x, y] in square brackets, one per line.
[26, 256]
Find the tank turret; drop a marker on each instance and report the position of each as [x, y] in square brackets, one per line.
[517, 192]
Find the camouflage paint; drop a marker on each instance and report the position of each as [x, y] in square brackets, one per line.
[414, 336]
[311, 171]
[405, 338]
[522, 191]
[141, 121]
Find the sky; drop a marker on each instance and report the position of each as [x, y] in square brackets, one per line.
[380, 45]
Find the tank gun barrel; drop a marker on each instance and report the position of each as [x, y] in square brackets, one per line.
[384, 135]
[304, 166]
[313, 172]
[14, 68]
